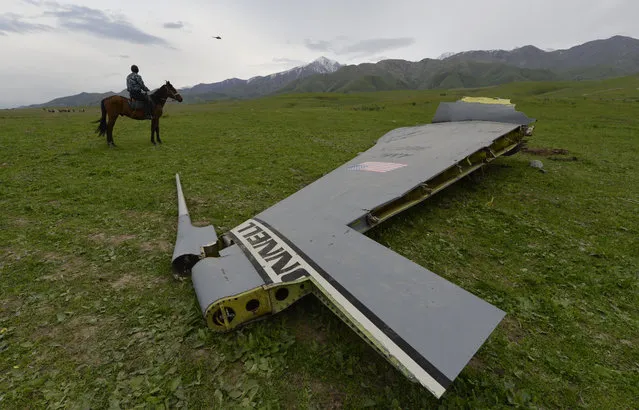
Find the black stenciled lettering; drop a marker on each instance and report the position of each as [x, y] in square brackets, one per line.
[270, 249]
[258, 237]
[296, 274]
[267, 250]
[250, 225]
[282, 260]
[274, 255]
[288, 268]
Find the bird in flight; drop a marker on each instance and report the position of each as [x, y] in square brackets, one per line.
[218, 37]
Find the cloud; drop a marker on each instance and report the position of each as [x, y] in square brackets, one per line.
[376, 45]
[13, 23]
[377, 59]
[100, 24]
[173, 25]
[276, 64]
[361, 48]
[321, 45]
[282, 60]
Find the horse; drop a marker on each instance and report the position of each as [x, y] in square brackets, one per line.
[117, 105]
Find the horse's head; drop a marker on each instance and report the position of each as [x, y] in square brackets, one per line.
[171, 92]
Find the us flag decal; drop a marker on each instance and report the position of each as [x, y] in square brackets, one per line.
[375, 166]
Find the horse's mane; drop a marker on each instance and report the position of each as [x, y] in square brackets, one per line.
[154, 94]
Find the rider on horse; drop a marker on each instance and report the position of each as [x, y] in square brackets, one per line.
[136, 88]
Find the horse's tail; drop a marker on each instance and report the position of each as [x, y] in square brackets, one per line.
[102, 128]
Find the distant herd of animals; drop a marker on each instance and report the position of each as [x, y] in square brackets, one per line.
[63, 110]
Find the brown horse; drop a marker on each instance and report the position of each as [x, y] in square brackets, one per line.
[117, 105]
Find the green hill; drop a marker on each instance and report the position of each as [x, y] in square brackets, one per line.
[598, 59]
[421, 75]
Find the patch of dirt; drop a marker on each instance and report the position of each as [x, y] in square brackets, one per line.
[160, 245]
[514, 332]
[573, 158]
[143, 216]
[627, 343]
[201, 356]
[545, 152]
[20, 222]
[113, 240]
[476, 364]
[9, 305]
[56, 276]
[71, 266]
[195, 200]
[77, 337]
[128, 281]
[52, 257]
[328, 396]
[6, 253]
[305, 331]
[233, 372]
[84, 340]
[137, 282]
[84, 333]
[49, 332]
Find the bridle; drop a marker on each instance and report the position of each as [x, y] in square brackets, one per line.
[172, 94]
[169, 94]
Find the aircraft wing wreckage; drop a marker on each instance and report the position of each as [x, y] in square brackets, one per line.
[312, 242]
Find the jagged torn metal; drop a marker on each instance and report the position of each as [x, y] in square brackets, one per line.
[192, 242]
[312, 242]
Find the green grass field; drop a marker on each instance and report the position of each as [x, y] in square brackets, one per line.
[91, 317]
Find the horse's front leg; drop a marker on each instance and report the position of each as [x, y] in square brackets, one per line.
[157, 129]
[153, 130]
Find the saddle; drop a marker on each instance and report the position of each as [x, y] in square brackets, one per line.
[136, 104]
[140, 105]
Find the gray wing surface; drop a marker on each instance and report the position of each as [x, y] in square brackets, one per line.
[466, 111]
[419, 153]
[400, 296]
[427, 326]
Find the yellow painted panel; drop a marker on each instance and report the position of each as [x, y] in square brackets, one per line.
[487, 100]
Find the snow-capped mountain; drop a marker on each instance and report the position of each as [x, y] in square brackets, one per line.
[324, 65]
[262, 85]
[320, 65]
[446, 55]
[602, 58]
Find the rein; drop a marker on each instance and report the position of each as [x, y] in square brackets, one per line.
[161, 99]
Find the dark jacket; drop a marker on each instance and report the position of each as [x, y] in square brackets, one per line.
[134, 83]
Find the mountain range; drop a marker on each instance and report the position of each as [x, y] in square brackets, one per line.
[598, 59]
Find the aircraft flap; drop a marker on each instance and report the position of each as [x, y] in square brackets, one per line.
[478, 111]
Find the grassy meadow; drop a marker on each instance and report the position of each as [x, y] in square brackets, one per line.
[91, 316]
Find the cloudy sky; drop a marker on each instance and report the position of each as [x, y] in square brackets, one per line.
[51, 49]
